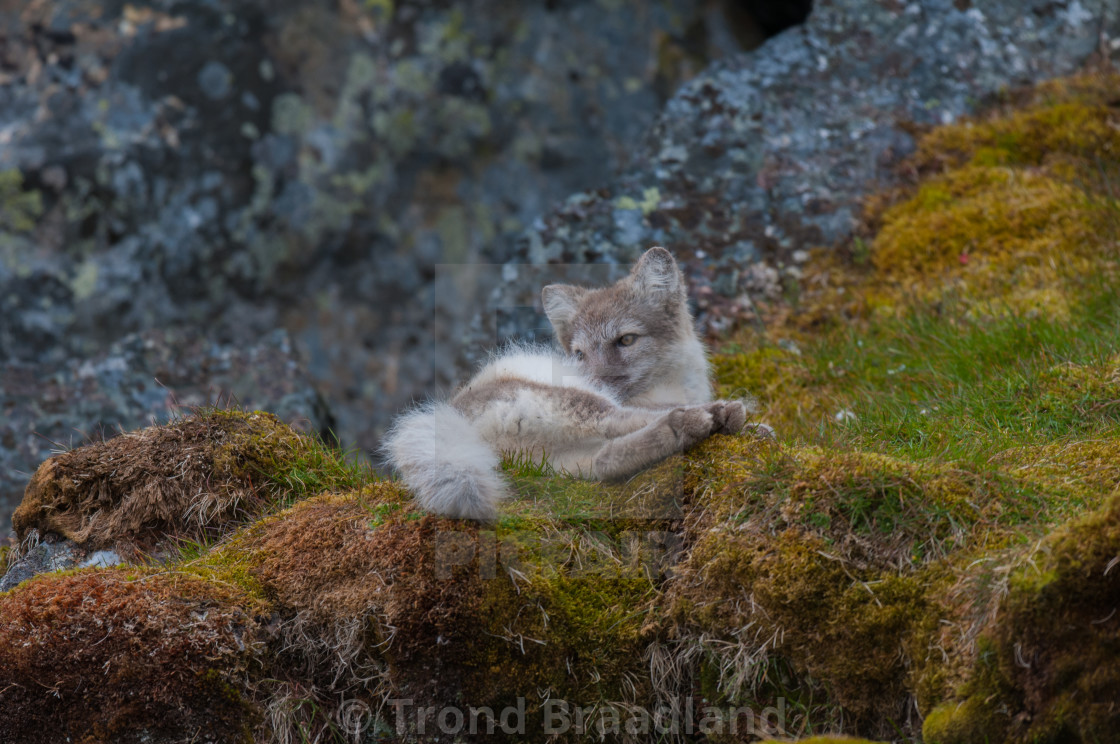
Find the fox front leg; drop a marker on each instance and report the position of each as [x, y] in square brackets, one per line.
[672, 432]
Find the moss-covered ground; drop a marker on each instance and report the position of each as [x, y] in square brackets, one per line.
[928, 550]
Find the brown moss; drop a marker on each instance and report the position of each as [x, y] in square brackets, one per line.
[361, 558]
[1059, 634]
[123, 656]
[182, 478]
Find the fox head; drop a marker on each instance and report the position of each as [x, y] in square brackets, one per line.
[626, 335]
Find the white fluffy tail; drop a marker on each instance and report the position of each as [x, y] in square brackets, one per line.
[444, 462]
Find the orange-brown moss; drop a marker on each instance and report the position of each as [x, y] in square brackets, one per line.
[184, 478]
[123, 656]
[370, 596]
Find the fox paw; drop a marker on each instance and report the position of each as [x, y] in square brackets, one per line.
[728, 416]
[690, 425]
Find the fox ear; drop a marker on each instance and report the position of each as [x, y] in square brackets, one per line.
[656, 275]
[561, 303]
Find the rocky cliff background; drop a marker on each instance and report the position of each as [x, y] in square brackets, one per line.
[275, 201]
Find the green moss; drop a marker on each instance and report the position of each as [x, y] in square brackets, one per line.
[782, 384]
[876, 509]
[977, 223]
[1013, 211]
[228, 564]
[653, 496]
[809, 601]
[1062, 119]
[1086, 470]
[968, 722]
[292, 465]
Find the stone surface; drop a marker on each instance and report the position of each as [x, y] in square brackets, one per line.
[51, 554]
[769, 153]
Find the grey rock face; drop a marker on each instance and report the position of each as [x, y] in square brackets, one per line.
[53, 553]
[768, 153]
[50, 554]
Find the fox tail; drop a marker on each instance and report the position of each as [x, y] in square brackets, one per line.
[444, 462]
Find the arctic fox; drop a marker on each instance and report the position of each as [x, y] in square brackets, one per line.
[630, 388]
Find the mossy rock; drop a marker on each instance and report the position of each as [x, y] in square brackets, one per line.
[187, 478]
[370, 583]
[1011, 210]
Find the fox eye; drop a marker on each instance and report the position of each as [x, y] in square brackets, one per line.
[628, 339]
[579, 355]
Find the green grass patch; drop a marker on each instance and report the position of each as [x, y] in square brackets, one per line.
[933, 386]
